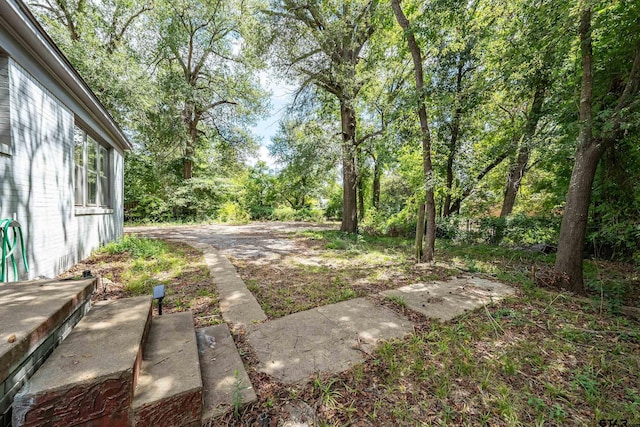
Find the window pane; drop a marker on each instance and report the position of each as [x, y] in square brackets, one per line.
[92, 171]
[104, 191]
[92, 161]
[78, 158]
[79, 185]
[78, 140]
[92, 188]
[104, 176]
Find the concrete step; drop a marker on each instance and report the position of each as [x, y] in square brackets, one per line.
[224, 379]
[169, 391]
[34, 318]
[89, 379]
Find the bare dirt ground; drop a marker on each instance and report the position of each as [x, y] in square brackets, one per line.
[289, 268]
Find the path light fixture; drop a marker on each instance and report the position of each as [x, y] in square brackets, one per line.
[158, 293]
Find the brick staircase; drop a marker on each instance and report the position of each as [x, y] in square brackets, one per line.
[120, 366]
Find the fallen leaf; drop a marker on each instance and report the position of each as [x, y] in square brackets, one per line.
[12, 338]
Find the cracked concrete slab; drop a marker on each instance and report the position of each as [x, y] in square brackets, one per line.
[222, 371]
[325, 339]
[446, 300]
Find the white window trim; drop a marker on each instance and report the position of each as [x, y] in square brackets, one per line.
[97, 208]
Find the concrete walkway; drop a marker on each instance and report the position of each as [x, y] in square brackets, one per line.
[325, 339]
[331, 338]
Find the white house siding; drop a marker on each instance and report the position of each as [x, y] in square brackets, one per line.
[37, 178]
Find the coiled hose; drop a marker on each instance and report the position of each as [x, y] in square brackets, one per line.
[9, 247]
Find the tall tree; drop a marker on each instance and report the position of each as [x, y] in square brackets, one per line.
[616, 87]
[528, 75]
[416, 55]
[204, 78]
[97, 37]
[323, 43]
[306, 156]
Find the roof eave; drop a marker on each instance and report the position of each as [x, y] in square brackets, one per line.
[31, 33]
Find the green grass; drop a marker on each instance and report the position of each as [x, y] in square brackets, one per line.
[530, 373]
[540, 358]
[133, 265]
[152, 262]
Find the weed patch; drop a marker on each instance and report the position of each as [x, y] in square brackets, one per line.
[133, 265]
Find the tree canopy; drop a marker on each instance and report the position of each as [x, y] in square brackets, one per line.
[495, 111]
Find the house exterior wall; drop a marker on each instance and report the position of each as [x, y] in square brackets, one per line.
[36, 175]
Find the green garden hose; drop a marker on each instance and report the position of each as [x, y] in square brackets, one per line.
[9, 248]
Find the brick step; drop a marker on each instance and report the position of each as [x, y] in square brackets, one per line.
[169, 391]
[223, 374]
[89, 379]
[34, 318]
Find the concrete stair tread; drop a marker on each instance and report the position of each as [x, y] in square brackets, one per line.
[222, 371]
[30, 310]
[93, 372]
[169, 390]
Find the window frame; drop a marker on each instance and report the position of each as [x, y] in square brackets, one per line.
[5, 104]
[99, 173]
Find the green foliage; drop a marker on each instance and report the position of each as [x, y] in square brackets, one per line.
[236, 394]
[516, 230]
[286, 213]
[232, 212]
[138, 247]
[201, 198]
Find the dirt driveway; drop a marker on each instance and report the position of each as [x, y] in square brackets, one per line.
[259, 240]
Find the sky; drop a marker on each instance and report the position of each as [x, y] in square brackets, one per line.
[281, 96]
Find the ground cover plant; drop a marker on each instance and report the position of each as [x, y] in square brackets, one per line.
[541, 357]
[133, 265]
[331, 266]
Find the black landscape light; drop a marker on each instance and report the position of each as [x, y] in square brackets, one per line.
[158, 293]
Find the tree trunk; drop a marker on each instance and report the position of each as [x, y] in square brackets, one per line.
[361, 209]
[517, 170]
[419, 233]
[375, 193]
[349, 176]
[453, 142]
[191, 121]
[416, 55]
[568, 264]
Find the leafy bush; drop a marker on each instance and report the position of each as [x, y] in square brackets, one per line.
[201, 198]
[234, 213]
[530, 230]
[287, 213]
[334, 206]
[283, 213]
[150, 208]
[309, 214]
[616, 240]
[139, 247]
[373, 223]
[402, 224]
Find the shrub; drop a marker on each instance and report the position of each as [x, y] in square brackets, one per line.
[138, 247]
[234, 213]
[283, 213]
[150, 208]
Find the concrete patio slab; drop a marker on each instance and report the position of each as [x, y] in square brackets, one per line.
[446, 300]
[221, 368]
[326, 339]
